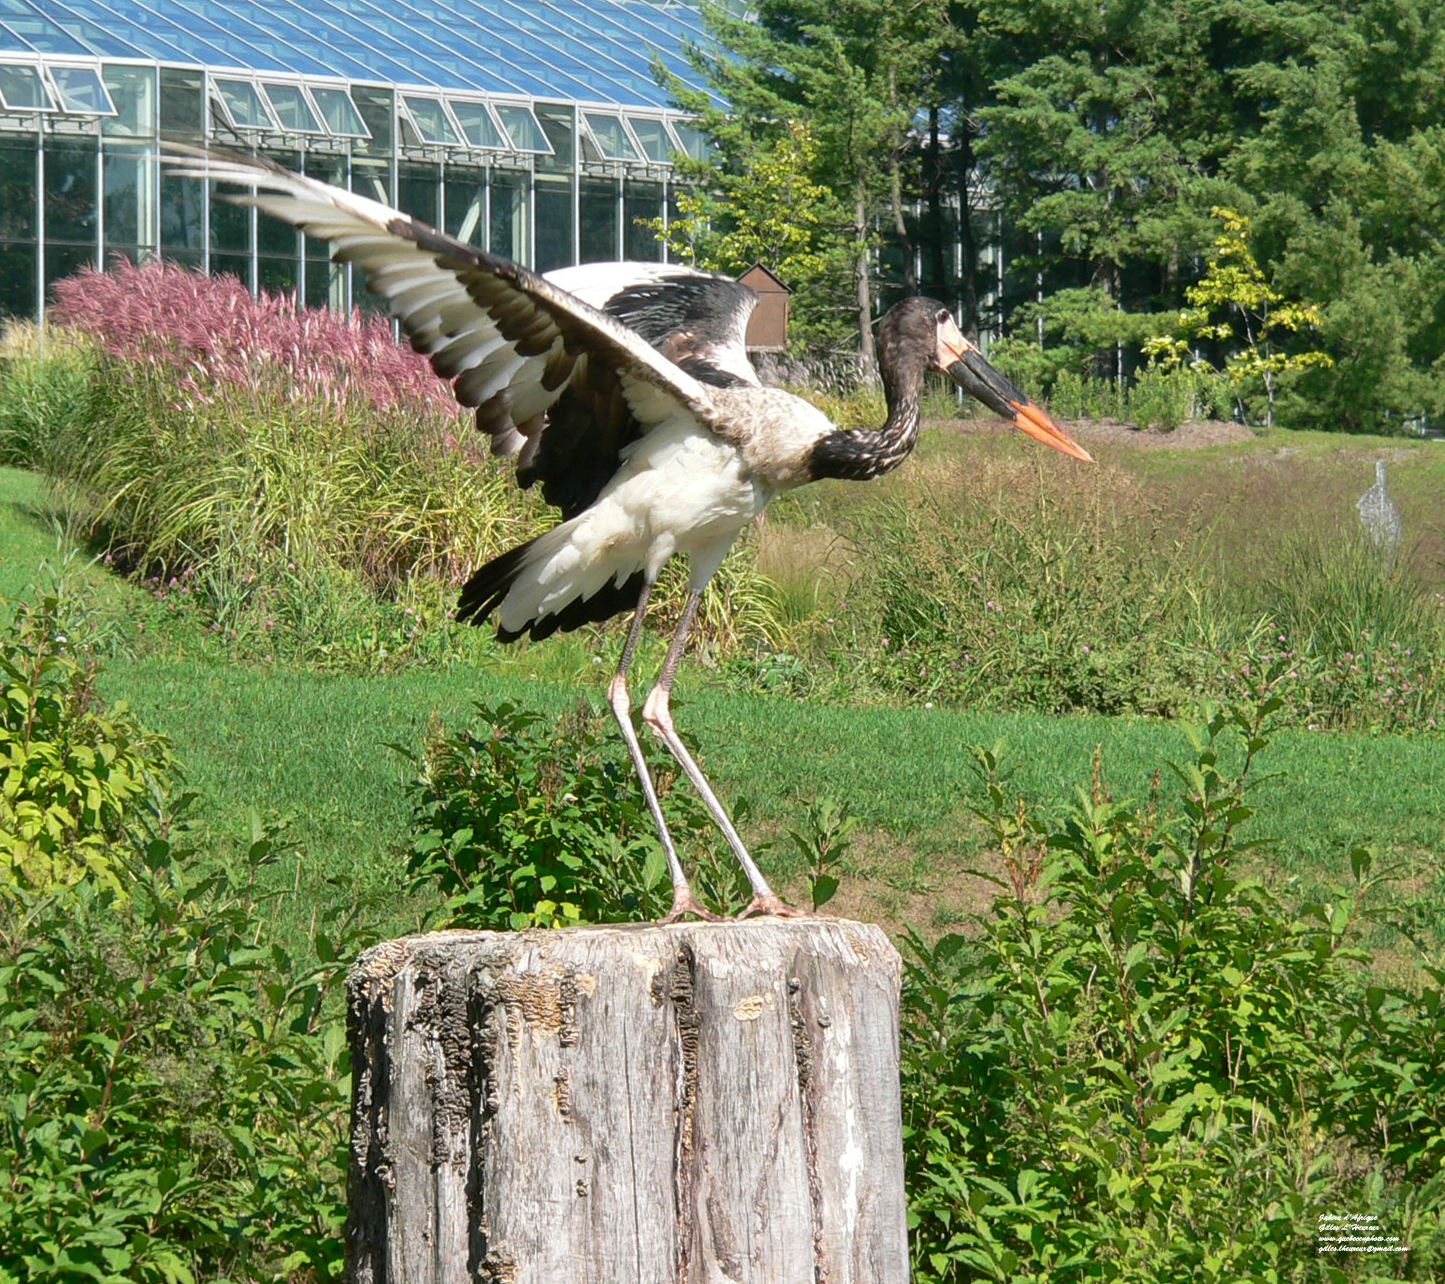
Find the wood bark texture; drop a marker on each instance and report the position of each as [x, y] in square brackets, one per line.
[692, 1104]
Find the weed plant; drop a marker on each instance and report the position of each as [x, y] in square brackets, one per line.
[521, 821]
[1014, 590]
[174, 1081]
[1139, 1065]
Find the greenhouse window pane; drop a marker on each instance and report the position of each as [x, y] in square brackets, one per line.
[693, 141]
[81, 90]
[653, 136]
[611, 136]
[21, 89]
[243, 104]
[133, 91]
[430, 119]
[291, 108]
[339, 112]
[477, 124]
[527, 135]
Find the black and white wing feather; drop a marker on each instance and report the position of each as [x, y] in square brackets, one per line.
[510, 341]
[698, 320]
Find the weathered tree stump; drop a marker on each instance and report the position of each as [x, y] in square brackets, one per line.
[692, 1104]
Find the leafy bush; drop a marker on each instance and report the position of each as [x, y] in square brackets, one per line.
[523, 822]
[173, 1103]
[72, 773]
[1162, 399]
[1144, 1067]
[175, 1092]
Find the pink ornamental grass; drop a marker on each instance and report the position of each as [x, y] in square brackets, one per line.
[210, 328]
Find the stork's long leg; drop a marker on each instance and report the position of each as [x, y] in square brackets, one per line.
[656, 712]
[683, 901]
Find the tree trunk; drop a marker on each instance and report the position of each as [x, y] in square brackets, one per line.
[689, 1104]
[863, 285]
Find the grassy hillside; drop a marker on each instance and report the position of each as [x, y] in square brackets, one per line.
[309, 748]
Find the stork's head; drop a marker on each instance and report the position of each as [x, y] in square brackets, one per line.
[925, 323]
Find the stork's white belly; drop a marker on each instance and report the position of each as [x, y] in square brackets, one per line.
[680, 490]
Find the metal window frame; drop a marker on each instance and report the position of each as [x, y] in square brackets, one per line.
[546, 149]
[47, 87]
[639, 155]
[345, 92]
[407, 113]
[322, 130]
[218, 97]
[455, 100]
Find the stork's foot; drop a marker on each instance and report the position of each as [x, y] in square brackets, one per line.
[684, 902]
[773, 906]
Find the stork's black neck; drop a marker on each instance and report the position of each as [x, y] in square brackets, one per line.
[860, 456]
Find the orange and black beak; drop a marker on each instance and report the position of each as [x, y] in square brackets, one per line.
[966, 366]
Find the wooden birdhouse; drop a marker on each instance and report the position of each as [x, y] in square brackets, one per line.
[768, 326]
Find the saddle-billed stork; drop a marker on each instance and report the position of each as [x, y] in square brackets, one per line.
[625, 391]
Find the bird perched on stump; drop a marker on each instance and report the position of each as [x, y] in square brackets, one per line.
[625, 392]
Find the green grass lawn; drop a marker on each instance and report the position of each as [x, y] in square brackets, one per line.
[308, 748]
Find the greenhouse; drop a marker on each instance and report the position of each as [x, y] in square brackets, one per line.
[538, 132]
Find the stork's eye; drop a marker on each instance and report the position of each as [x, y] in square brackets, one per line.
[943, 315]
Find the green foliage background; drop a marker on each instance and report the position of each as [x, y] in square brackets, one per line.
[1088, 143]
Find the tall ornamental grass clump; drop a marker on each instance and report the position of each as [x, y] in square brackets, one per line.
[1015, 595]
[301, 477]
[231, 437]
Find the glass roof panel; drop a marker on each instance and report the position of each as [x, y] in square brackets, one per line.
[632, 46]
[159, 36]
[477, 124]
[399, 43]
[11, 43]
[589, 52]
[571, 65]
[338, 48]
[611, 136]
[243, 102]
[694, 142]
[656, 142]
[40, 31]
[151, 35]
[21, 89]
[291, 108]
[219, 45]
[430, 119]
[268, 36]
[339, 112]
[527, 135]
[82, 90]
[470, 51]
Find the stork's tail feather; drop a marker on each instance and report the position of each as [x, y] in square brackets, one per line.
[483, 593]
[525, 571]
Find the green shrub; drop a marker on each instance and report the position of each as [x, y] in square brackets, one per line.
[72, 773]
[172, 1082]
[1143, 1067]
[174, 1090]
[1161, 399]
[522, 821]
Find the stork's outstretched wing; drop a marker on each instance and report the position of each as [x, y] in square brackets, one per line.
[513, 343]
[696, 319]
